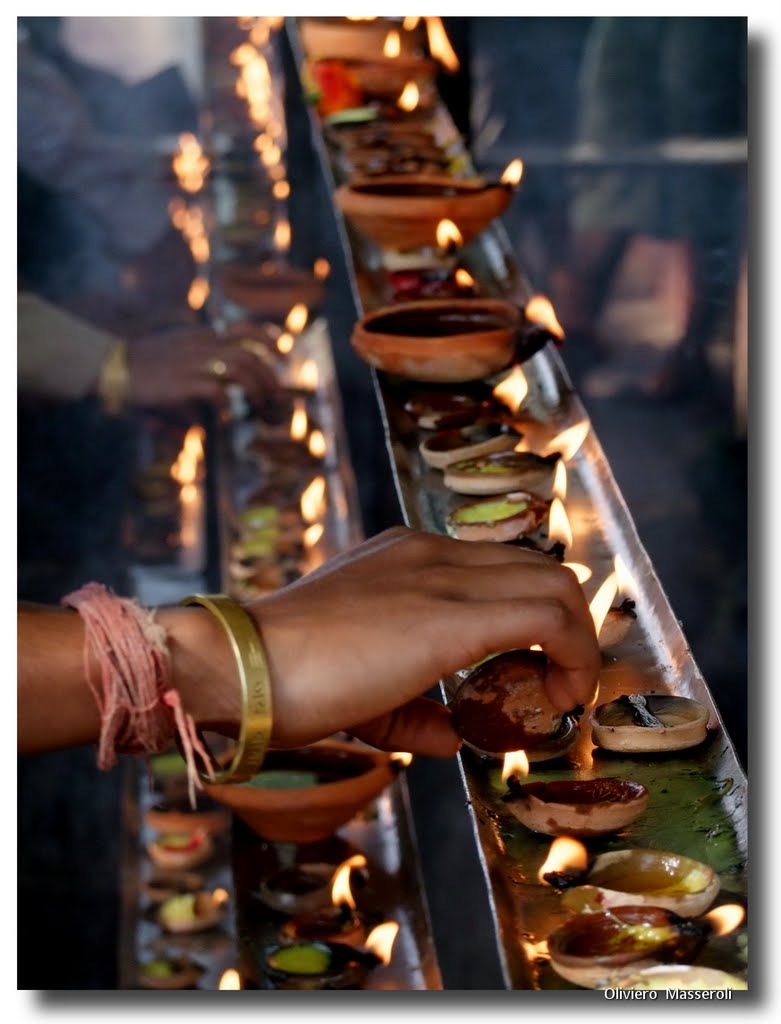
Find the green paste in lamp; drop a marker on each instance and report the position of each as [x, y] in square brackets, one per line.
[317, 965]
[282, 778]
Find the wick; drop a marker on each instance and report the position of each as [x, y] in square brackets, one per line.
[640, 713]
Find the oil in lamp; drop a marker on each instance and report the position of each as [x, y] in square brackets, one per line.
[328, 965]
[193, 912]
[498, 472]
[169, 972]
[504, 517]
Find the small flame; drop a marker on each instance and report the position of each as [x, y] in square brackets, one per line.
[565, 854]
[568, 442]
[380, 940]
[358, 17]
[299, 421]
[308, 376]
[464, 279]
[189, 164]
[340, 890]
[410, 97]
[512, 173]
[538, 310]
[220, 896]
[262, 142]
[296, 319]
[625, 580]
[560, 480]
[512, 390]
[402, 757]
[392, 47]
[439, 44]
[185, 469]
[198, 293]
[558, 523]
[317, 445]
[271, 155]
[242, 55]
[260, 32]
[536, 950]
[448, 236]
[313, 500]
[410, 22]
[582, 572]
[280, 189]
[321, 268]
[282, 235]
[230, 981]
[602, 601]
[725, 919]
[515, 763]
[312, 535]
[285, 343]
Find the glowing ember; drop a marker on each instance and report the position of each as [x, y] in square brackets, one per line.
[296, 319]
[285, 343]
[448, 236]
[317, 445]
[439, 44]
[220, 896]
[726, 919]
[560, 480]
[410, 97]
[280, 190]
[308, 376]
[625, 580]
[380, 940]
[185, 469]
[558, 523]
[512, 173]
[312, 535]
[321, 268]
[392, 47]
[539, 310]
[582, 572]
[410, 22]
[313, 500]
[230, 981]
[402, 757]
[515, 763]
[565, 854]
[299, 421]
[603, 600]
[568, 442]
[282, 235]
[512, 390]
[198, 293]
[189, 164]
[464, 279]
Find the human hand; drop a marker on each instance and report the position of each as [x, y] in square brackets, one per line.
[353, 645]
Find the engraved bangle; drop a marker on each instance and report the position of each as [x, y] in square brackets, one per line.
[245, 641]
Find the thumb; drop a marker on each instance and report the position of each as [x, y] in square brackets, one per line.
[421, 726]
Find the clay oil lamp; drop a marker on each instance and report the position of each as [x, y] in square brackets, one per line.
[595, 950]
[353, 39]
[193, 912]
[170, 972]
[338, 922]
[385, 78]
[270, 289]
[304, 887]
[640, 877]
[458, 443]
[498, 472]
[441, 410]
[181, 850]
[178, 816]
[540, 326]
[162, 885]
[439, 340]
[503, 517]
[431, 282]
[613, 623]
[501, 705]
[305, 795]
[649, 723]
[687, 976]
[328, 965]
[587, 807]
[403, 211]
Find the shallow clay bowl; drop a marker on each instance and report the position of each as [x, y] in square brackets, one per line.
[313, 812]
[684, 724]
[441, 410]
[592, 950]
[178, 816]
[180, 972]
[447, 446]
[403, 211]
[498, 472]
[646, 877]
[298, 890]
[499, 517]
[690, 976]
[572, 807]
[440, 340]
[333, 38]
[317, 965]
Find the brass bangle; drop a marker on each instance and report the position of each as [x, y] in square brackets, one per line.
[245, 641]
[113, 379]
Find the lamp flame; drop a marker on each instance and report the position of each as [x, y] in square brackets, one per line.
[513, 389]
[410, 22]
[560, 480]
[340, 890]
[568, 442]
[299, 421]
[185, 469]
[313, 500]
[582, 572]
[512, 173]
[380, 940]
[321, 268]
[317, 444]
[602, 601]
[280, 189]
[725, 919]
[230, 981]
[392, 46]
[296, 319]
[198, 293]
[538, 310]
[402, 757]
[308, 376]
[285, 343]
[282, 235]
[189, 164]
[409, 98]
[312, 535]
[464, 279]
[558, 524]
[515, 763]
[220, 896]
[439, 44]
[449, 238]
[565, 854]
[242, 55]
[624, 579]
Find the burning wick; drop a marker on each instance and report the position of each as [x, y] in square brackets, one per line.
[512, 174]
[449, 238]
[313, 500]
[285, 343]
[602, 601]
[439, 44]
[230, 981]
[392, 47]
[381, 939]
[465, 281]
[512, 390]
[321, 268]
[299, 422]
[515, 763]
[409, 98]
[296, 319]
[317, 444]
[569, 441]
[559, 528]
[725, 919]
[565, 864]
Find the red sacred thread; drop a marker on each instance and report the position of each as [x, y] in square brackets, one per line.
[140, 711]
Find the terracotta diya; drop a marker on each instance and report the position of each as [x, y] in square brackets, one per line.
[339, 921]
[573, 807]
[649, 723]
[502, 517]
[298, 890]
[342, 39]
[447, 446]
[502, 706]
[306, 794]
[498, 472]
[440, 340]
[174, 972]
[317, 965]
[177, 816]
[403, 211]
[441, 410]
[617, 624]
[193, 912]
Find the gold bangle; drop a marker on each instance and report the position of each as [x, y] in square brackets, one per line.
[113, 380]
[255, 730]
